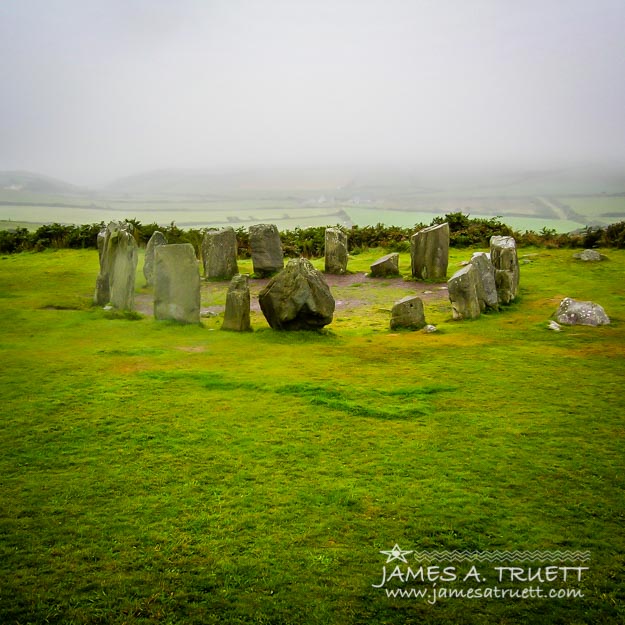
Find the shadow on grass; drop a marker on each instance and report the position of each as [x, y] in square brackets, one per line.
[295, 337]
[399, 403]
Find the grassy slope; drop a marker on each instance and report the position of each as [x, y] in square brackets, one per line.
[610, 208]
[156, 473]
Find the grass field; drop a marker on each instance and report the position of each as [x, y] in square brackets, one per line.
[184, 214]
[557, 199]
[287, 217]
[155, 473]
[406, 219]
[401, 204]
[607, 209]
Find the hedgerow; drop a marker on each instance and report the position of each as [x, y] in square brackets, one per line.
[309, 242]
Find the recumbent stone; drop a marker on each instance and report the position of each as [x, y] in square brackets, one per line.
[386, 266]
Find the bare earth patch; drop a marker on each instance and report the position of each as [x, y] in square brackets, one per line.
[191, 349]
[350, 291]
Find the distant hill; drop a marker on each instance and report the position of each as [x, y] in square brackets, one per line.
[182, 182]
[36, 183]
[303, 184]
[300, 183]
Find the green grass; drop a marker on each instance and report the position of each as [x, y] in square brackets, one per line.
[407, 218]
[155, 473]
[523, 224]
[605, 209]
[13, 225]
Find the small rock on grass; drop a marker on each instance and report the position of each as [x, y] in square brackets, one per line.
[408, 313]
[574, 312]
[590, 256]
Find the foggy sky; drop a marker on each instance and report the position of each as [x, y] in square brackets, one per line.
[92, 90]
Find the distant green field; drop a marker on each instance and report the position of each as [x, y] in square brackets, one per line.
[392, 208]
[366, 217]
[12, 225]
[560, 199]
[606, 209]
[284, 217]
[372, 216]
[522, 224]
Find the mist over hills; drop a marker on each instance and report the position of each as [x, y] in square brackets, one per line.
[259, 183]
[36, 183]
[263, 182]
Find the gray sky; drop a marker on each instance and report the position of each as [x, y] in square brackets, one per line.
[97, 89]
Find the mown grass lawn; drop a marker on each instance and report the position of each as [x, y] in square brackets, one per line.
[155, 473]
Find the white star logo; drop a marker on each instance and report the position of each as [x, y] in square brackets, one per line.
[396, 553]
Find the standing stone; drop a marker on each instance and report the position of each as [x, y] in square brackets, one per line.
[123, 270]
[219, 254]
[386, 266]
[408, 313]
[463, 293]
[237, 313]
[504, 258]
[100, 241]
[115, 283]
[573, 312]
[102, 287]
[298, 298]
[157, 238]
[486, 287]
[176, 283]
[266, 249]
[335, 251]
[429, 253]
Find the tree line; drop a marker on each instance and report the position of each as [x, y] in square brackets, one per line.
[310, 242]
